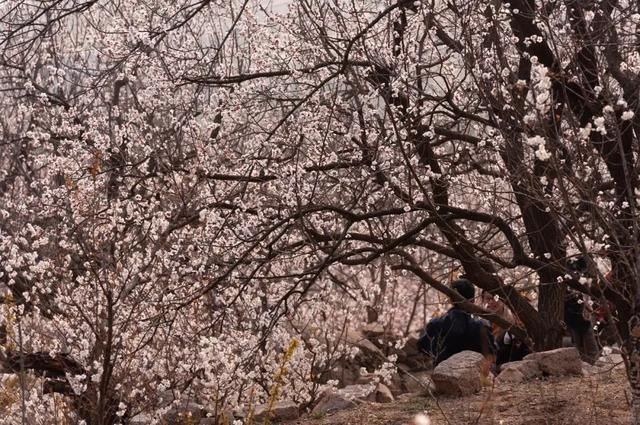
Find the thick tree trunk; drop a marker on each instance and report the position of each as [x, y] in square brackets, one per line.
[551, 309]
[632, 361]
[633, 373]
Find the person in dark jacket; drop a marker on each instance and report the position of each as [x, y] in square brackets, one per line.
[457, 331]
[510, 348]
[580, 327]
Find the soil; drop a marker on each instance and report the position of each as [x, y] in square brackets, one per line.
[591, 400]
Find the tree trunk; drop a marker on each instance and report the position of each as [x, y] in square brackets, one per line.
[551, 309]
[633, 372]
[632, 362]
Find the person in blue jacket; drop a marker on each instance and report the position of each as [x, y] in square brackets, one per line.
[457, 330]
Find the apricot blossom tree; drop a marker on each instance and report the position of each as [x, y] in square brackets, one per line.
[187, 186]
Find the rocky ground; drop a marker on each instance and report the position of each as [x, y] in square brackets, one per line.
[598, 398]
[552, 387]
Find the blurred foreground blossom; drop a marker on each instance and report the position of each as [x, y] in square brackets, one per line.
[421, 419]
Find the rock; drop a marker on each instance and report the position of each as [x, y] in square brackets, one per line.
[223, 415]
[373, 331]
[383, 394]
[371, 356]
[359, 392]
[407, 397]
[418, 382]
[395, 384]
[330, 402]
[165, 398]
[589, 369]
[345, 373]
[460, 374]
[280, 411]
[141, 419]
[186, 412]
[512, 376]
[610, 361]
[411, 357]
[344, 398]
[411, 346]
[519, 371]
[558, 362]
[368, 379]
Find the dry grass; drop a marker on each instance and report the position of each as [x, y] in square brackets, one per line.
[598, 400]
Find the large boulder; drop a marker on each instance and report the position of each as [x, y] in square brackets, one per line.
[141, 419]
[374, 331]
[279, 412]
[610, 361]
[460, 374]
[369, 355]
[344, 398]
[348, 370]
[410, 356]
[417, 382]
[345, 372]
[223, 417]
[558, 362]
[384, 394]
[519, 371]
[185, 412]
[368, 379]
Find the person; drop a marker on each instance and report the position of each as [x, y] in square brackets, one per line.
[578, 322]
[457, 330]
[604, 327]
[509, 348]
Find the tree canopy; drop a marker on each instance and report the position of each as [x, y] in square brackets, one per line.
[185, 186]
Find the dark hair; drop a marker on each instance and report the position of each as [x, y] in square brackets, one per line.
[577, 264]
[464, 288]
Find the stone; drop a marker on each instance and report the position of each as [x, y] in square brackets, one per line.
[589, 369]
[141, 419]
[347, 371]
[402, 398]
[460, 374]
[610, 361]
[359, 392]
[368, 349]
[330, 402]
[186, 412]
[558, 362]
[383, 394]
[411, 357]
[281, 411]
[344, 372]
[512, 376]
[411, 346]
[165, 398]
[395, 384]
[368, 379]
[344, 398]
[519, 371]
[373, 330]
[417, 382]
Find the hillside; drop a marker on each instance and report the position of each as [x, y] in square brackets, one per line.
[590, 400]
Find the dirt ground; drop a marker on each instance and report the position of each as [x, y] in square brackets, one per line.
[593, 400]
